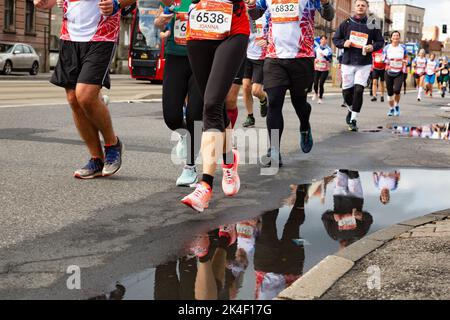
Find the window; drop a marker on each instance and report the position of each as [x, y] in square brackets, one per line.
[29, 17]
[18, 48]
[26, 49]
[10, 13]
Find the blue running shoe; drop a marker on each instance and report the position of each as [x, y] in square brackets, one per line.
[113, 158]
[306, 140]
[391, 112]
[92, 169]
[397, 111]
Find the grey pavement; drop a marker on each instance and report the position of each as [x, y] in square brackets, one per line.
[49, 220]
[415, 265]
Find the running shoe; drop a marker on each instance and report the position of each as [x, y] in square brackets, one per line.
[348, 118]
[200, 246]
[320, 101]
[199, 198]
[272, 155]
[344, 105]
[113, 158]
[263, 106]
[306, 140]
[188, 176]
[314, 97]
[228, 231]
[352, 126]
[382, 99]
[391, 112]
[91, 170]
[397, 111]
[230, 181]
[249, 122]
[181, 148]
[373, 99]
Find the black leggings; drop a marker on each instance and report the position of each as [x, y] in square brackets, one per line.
[394, 83]
[353, 97]
[275, 110]
[178, 82]
[215, 65]
[319, 81]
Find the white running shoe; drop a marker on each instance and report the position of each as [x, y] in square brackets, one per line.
[181, 148]
[314, 97]
[188, 176]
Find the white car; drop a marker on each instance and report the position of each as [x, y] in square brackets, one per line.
[18, 57]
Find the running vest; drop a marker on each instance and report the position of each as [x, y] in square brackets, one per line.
[378, 60]
[217, 20]
[176, 43]
[258, 32]
[421, 64]
[291, 27]
[323, 57]
[83, 22]
[394, 58]
[431, 67]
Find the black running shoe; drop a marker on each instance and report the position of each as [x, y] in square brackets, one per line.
[263, 105]
[382, 99]
[348, 117]
[249, 122]
[352, 126]
[306, 141]
[373, 99]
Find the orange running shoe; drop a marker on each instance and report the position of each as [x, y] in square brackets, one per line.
[230, 181]
[199, 199]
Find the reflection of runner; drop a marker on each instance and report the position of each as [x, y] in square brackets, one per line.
[386, 182]
[170, 285]
[419, 64]
[279, 262]
[347, 222]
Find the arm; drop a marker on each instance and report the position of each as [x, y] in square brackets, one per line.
[110, 7]
[326, 10]
[256, 8]
[161, 19]
[44, 4]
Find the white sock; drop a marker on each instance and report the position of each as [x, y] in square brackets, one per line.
[354, 116]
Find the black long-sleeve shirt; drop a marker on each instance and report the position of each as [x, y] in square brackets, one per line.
[353, 56]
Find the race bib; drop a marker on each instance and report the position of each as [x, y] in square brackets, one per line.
[444, 71]
[244, 231]
[210, 20]
[378, 58]
[283, 11]
[358, 39]
[180, 28]
[259, 30]
[321, 65]
[396, 65]
[347, 222]
[420, 67]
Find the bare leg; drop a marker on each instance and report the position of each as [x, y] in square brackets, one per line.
[205, 283]
[247, 93]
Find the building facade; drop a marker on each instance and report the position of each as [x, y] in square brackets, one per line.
[408, 20]
[381, 10]
[21, 21]
[343, 10]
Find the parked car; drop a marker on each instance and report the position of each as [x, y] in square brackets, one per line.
[18, 57]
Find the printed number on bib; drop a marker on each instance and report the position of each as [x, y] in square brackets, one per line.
[359, 39]
[283, 11]
[347, 222]
[180, 28]
[210, 20]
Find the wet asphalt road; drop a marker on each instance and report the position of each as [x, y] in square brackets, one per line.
[117, 226]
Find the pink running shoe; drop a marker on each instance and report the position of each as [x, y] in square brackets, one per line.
[200, 246]
[229, 231]
[199, 198]
[230, 181]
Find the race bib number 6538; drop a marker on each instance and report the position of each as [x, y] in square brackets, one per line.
[210, 20]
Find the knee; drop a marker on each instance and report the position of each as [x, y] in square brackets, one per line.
[173, 122]
[359, 89]
[86, 101]
[73, 102]
[257, 91]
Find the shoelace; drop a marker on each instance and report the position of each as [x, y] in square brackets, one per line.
[200, 191]
[91, 165]
[112, 154]
[229, 175]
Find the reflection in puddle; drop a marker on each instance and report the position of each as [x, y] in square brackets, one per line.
[260, 257]
[432, 131]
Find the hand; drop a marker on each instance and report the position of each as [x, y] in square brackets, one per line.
[322, 2]
[250, 2]
[106, 7]
[347, 44]
[40, 3]
[165, 18]
[59, 3]
[369, 48]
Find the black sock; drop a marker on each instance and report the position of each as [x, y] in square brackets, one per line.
[228, 158]
[208, 179]
[250, 115]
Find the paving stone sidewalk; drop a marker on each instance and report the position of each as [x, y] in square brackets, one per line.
[415, 265]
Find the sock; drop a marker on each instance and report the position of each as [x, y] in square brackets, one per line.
[250, 115]
[228, 158]
[233, 115]
[354, 116]
[208, 179]
[113, 145]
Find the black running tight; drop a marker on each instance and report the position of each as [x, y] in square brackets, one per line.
[319, 82]
[215, 64]
[275, 110]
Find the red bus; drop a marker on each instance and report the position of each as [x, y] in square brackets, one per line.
[146, 54]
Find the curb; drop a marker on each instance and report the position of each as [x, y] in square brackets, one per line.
[317, 281]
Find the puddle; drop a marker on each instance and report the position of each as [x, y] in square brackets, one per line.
[276, 248]
[433, 131]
